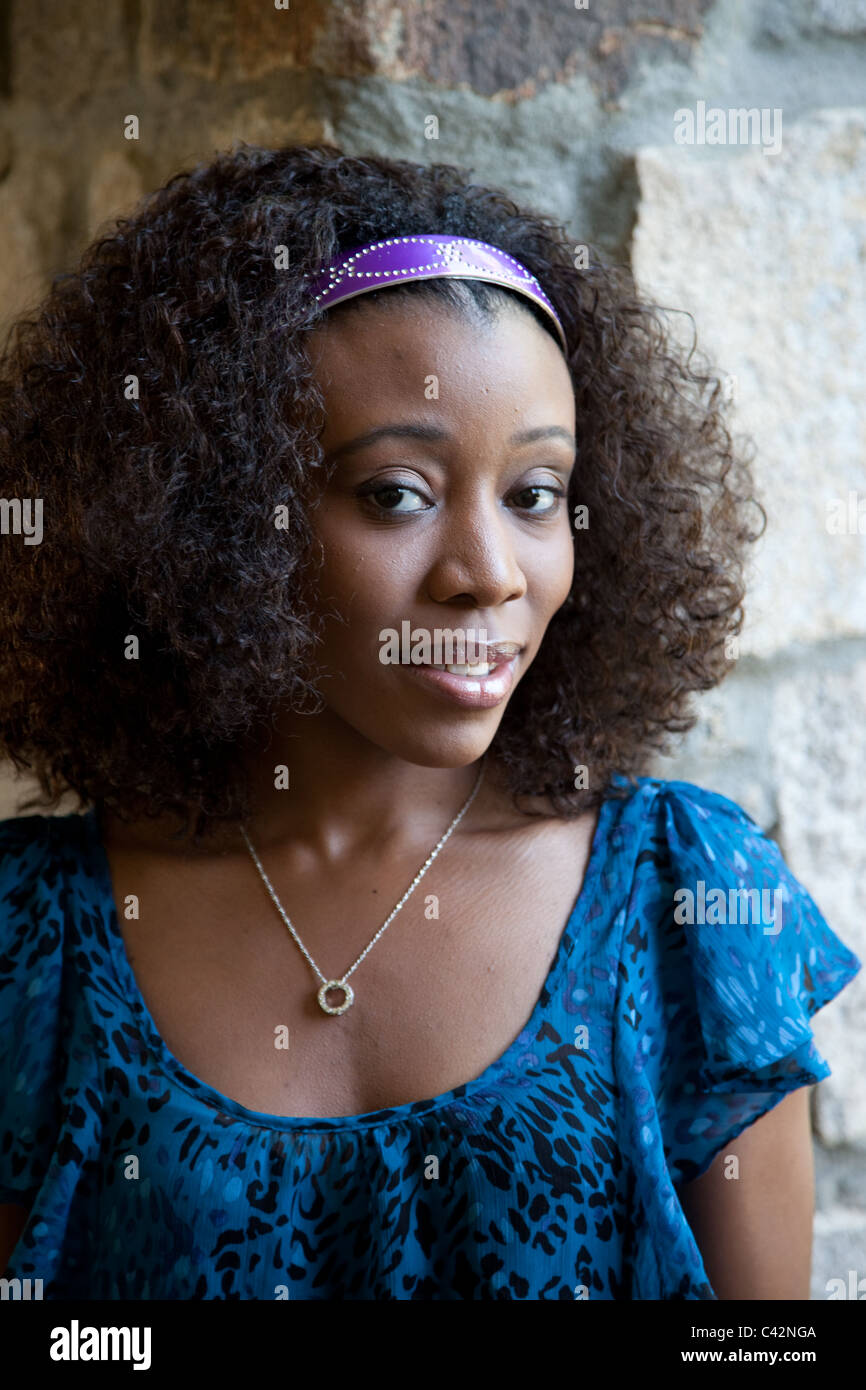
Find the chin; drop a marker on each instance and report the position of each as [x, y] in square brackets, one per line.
[449, 748]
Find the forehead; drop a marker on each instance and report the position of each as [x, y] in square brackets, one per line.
[383, 356]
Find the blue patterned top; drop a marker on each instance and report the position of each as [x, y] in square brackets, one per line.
[676, 1012]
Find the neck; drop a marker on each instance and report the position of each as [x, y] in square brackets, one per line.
[345, 792]
[345, 796]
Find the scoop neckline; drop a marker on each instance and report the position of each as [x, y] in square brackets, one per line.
[370, 1119]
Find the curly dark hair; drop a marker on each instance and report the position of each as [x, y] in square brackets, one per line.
[161, 403]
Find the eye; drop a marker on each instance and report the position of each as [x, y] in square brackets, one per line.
[394, 497]
[549, 498]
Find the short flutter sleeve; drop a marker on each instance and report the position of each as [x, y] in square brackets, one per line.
[725, 960]
[31, 970]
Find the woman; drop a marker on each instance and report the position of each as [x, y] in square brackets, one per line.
[378, 968]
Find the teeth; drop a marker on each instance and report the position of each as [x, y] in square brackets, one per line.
[483, 670]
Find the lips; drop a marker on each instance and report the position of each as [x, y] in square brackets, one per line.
[493, 655]
[479, 686]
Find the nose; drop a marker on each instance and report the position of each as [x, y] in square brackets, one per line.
[475, 563]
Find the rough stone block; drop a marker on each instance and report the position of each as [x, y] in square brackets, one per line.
[727, 751]
[511, 51]
[115, 186]
[219, 42]
[62, 53]
[768, 252]
[847, 17]
[839, 1247]
[29, 188]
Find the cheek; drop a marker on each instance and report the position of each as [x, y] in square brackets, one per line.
[361, 580]
[549, 573]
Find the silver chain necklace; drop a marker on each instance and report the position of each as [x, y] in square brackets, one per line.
[328, 985]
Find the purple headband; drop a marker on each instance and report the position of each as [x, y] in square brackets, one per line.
[401, 258]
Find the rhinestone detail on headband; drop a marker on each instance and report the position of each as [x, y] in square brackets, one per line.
[339, 280]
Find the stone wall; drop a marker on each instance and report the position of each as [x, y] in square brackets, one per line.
[761, 235]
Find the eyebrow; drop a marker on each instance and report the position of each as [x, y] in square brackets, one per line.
[434, 434]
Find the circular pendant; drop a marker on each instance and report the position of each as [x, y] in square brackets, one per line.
[322, 997]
